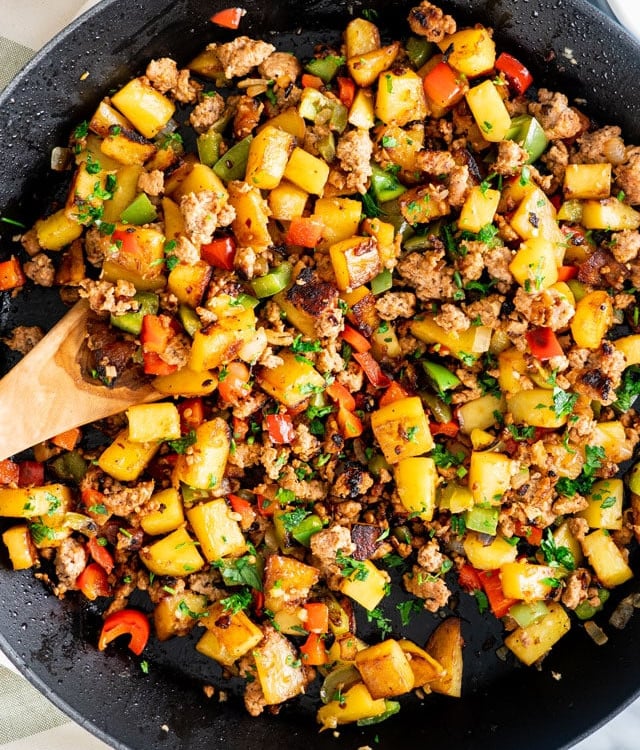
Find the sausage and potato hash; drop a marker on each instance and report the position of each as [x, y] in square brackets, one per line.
[387, 297]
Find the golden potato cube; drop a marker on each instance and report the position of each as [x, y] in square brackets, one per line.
[533, 642]
[587, 181]
[287, 581]
[149, 422]
[535, 407]
[279, 668]
[605, 505]
[402, 429]
[217, 531]
[400, 97]
[176, 614]
[126, 459]
[106, 117]
[354, 704]
[140, 261]
[220, 342]
[287, 201]
[445, 646]
[198, 178]
[563, 537]
[512, 367]
[478, 209]
[252, 216]
[290, 121]
[471, 51]
[416, 480]
[168, 517]
[173, 219]
[367, 585]
[527, 581]
[473, 341]
[174, 555]
[534, 265]
[489, 111]
[86, 194]
[592, 319]
[385, 669]
[145, 107]
[186, 382]
[228, 635]
[355, 261]
[610, 214]
[490, 557]
[490, 476]
[612, 437]
[306, 171]
[362, 111]
[385, 236]
[361, 36]
[340, 216]
[208, 65]
[292, 382]
[57, 231]
[203, 467]
[189, 282]
[424, 667]
[480, 413]
[630, 347]
[27, 502]
[606, 559]
[124, 192]
[536, 217]
[269, 153]
[20, 547]
[127, 147]
[366, 68]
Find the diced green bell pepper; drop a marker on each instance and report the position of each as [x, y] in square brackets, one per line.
[70, 466]
[273, 282]
[232, 165]
[440, 377]
[303, 531]
[527, 132]
[440, 410]
[527, 613]
[131, 322]
[391, 708]
[419, 50]
[382, 282]
[139, 211]
[189, 319]
[208, 145]
[325, 67]
[585, 611]
[482, 518]
[385, 186]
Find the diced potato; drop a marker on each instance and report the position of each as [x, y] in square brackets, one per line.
[606, 559]
[173, 219]
[592, 319]
[279, 669]
[217, 531]
[138, 261]
[28, 502]
[534, 265]
[306, 171]
[455, 498]
[86, 194]
[480, 413]
[250, 226]
[127, 148]
[385, 669]
[189, 282]
[292, 382]
[385, 343]
[228, 635]
[512, 367]
[473, 341]
[489, 557]
[149, 422]
[536, 217]
[186, 382]
[563, 537]
[402, 429]
[145, 107]
[478, 209]
[416, 479]
[533, 642]
[490, 476]
[126, 459]
[367, 589]
[385, 236]
[535, 407]
[168, 517]
[174, 555]
[208, 65]
[630, 347]
[355, 261]
[204, 467]
[287, 201]
[527, 581]
[366, 68]
[361, 112]
[20, 547]
[400, 97]
[361, 36]
[587, 181]
[355, 703]
[57, 231]
[488, 110]
[176, 614]
[72, 269]
[195, 178]
[290, 121]
[470, 51]
[612, 437]
[287, 581]
[269, 153]
[424, 667]
[362, 311]
[445, 646]
[605, 505]
[106, 117]
[610, 214]
[340, 217]
[124, 192]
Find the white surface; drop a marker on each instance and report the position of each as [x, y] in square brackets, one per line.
[628, 13]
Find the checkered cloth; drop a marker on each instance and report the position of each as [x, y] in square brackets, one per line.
[28, 721]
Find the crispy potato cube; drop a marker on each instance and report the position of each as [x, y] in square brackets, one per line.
[606, 558]
[366, 68]
[173, 219]
[85, 194]
[535, 407]
[287, 581]
[306, 301]
[174, 555]
[340, 216]
[610, 214]
[124, 192]
[176, 614]
[367, 585]
[268, 155]
[105, 118]
[489, 111]
[208, 65]
[252, 216]
[361, 36]
[292, 382]
[526, 581]
[534, 265]
[228, 636]
[186, 382]
[168, 517]
[290, 121]
[355, 261]
[605, 505]
[490, 557]
[362, 111]
[512, 366]
[189, 282]
[127, 147]
[20, 547]
[148, 422]
[587, 181]
[470, 51]
[145, 107]
[57, 231]
[287, 201]
[221, 342]
[279, 670]
[490, 476]
[138, 260]
[563, 537]
[385, 669]
[478, 209]
[533, 642]
[445, 646]
[219, 534]
[424, 667]
[536, 217]
[400, 97]
[416, 479]
[592, 319]
[27, 502]
[126, 459]
[204, 466]
[612, 437]
[306, 171]
[402, 429]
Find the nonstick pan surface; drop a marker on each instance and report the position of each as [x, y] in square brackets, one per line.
[570, 47]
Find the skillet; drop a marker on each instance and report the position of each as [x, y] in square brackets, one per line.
[568, 46]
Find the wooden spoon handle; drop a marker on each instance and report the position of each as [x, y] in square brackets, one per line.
[45, 393]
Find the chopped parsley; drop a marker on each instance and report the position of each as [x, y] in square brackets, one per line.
[351, 568]
[594, 456]
[243, 571]
[181, 444]
[554, 555]
[237, 602]
[378, 618]
[408, 608]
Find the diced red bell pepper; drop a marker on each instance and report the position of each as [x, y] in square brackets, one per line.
[229, 18]
[450, 429]
[566, 273]
[127, 241]
[266, 506]
[91, 498]
[443, 85]
[239, 504]
[93, 582]
[257, 602]
[240, 428]
[533, 534]
[305, 231]
[154, 364]
[130, 622]
[313, 650]
[346, 91]
[233, 382]
[191, 412]
[338, 393]
[9, 472]
[31, 474]
[492, 585]
[156, 332]
[280, 428]
[372, 370]
[517, 75]
[220, 252]
[543, 343]
[355, 339]
[468, 578]
[317, 620]
[100, 554]
[67, 439]
[393, 393]
[11, 274]
[349, 423]
[310, 81]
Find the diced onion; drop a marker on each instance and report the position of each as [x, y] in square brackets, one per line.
[596, 633]
[60, 158]
[622, 613]
[482, 341]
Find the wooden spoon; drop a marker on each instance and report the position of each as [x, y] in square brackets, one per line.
[46, 394]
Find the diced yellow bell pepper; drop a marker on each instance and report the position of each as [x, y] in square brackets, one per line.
[355, 703]
[22, 552]
[474, 341]
[186, 382]
[526, 581]
[490, 556]
[367, 588]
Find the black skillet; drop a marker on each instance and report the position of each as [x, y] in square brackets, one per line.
[569, 47]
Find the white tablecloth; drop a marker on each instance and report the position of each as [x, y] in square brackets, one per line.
[28, 721]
